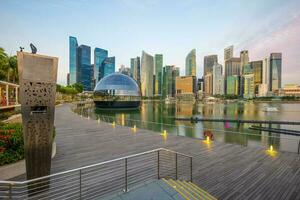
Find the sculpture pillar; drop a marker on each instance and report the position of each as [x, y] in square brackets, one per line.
[37, 76]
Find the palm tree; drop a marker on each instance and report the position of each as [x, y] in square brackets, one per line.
[8, 67]
[3, 64]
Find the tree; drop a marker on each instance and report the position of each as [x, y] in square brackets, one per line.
[78, 87]
[8, 67]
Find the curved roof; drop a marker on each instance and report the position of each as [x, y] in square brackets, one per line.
[122, 84]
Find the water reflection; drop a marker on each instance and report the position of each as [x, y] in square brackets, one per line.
[158, 116]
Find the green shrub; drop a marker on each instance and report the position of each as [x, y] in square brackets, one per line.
[11, 143]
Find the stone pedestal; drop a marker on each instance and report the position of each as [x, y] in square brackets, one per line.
[37, 75]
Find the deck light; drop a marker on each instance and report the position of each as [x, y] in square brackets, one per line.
[134, 128]
[113, 124]
[164, 135]
[271, 152]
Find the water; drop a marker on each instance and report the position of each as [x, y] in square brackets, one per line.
[159, 116]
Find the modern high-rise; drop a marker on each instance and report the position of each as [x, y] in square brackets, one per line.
[190, 63]
[170, 72]
[228, 53]
[232, 68]
[147, 71]
[218, 80]
[275, 71]
[85, 70]
[72, 59]
[209, 62]
[264, 87]
[135, 69]
[99, 56]
[244, 55]
[158, 65]
[257, 67]
[208, 84]
[108, 66]
[232, 85]
[249, 90]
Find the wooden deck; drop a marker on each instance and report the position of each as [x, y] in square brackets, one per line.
[227, 171]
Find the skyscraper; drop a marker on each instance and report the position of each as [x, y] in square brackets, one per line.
[218, 80]
[190, 63]
[275, 71]
[99, 56]
[108, 66]
[264, 87]
[228, 53]
[208, 84]
[232, 85]
[209, 62]
[158, 65]
[170, 72]
[244, 60]
[135, 68]
[257, 67]
[85, 70]
[232, 68]
[72, 59]
[147, 65]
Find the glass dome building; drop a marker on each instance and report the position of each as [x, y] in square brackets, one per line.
[117, 91]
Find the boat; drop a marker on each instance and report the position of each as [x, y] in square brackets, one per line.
[270, 109]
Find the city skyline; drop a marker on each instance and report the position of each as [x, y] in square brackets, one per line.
[274, 31]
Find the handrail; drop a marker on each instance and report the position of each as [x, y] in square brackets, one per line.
[113, 177]
[92, 165]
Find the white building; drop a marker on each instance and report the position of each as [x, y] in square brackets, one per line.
[218, 80]
[147, 70]
[264, 87]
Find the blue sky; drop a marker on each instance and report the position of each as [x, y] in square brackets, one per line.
[170, 27]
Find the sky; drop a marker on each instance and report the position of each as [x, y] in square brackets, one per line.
[169, 27]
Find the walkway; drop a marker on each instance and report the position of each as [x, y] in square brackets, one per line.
[227, 171]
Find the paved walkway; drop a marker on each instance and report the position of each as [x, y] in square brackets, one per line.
[227, 171]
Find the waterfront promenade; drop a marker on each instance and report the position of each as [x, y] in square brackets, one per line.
[227, 171]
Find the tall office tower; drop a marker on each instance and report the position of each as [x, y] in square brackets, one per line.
[232, 68]
[244, 55]
[175, 74]
[185, 86]
[228, 53]
[108, 66]
[72, 59]
[208, 84]
[264, 87]
[275, 71]
[99, 56]
[249, 86]
[257, 67]
[209, 62]
[85, 70]
[135, 67]
[170, 72]
[218, 80]
[232, 85]
[158, 65]
[190, 63]
[147, 65]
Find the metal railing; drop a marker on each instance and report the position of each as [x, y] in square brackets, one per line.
[103, 179]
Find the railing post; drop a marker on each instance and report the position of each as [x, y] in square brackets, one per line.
[176, 167]
[299, 147]
[9, 191]
[191, 159]
[80, 184]
[158, 177]
[126, 186]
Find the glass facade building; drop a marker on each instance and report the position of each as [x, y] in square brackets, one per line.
[170, 72]
[99, 56]
[72, 59]
[190, 63]
[117, 91]
[84, 70]
[147, 71]
[158, 73]
[232, 83]
[108, 66]
[135, 69]
[257, 67]
[209, 62]
[275, 71]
